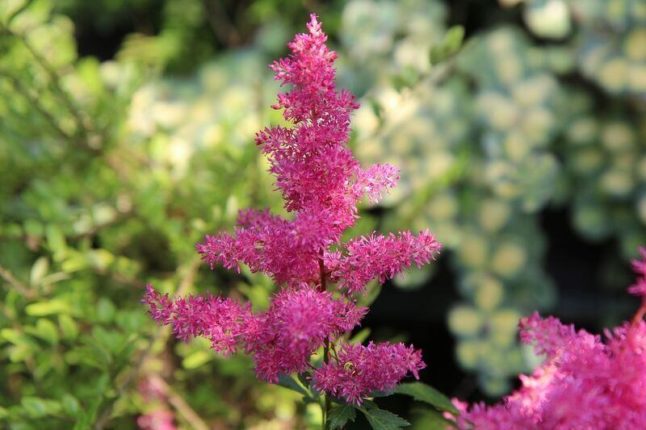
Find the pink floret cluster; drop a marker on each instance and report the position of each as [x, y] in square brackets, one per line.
[583, 384]
[379, 257]
[360, 370]
[318, 275]
[281, 339]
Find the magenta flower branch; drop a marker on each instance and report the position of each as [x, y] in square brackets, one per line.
[319, 276]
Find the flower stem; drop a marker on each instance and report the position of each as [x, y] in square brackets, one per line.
[326, 402]
[325, 425]
[639, 315]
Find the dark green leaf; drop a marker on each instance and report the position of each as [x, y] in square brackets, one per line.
[340, 414]
[381, 419]
[427, 394]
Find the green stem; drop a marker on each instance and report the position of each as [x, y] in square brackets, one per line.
[325, 425]
[326, 402]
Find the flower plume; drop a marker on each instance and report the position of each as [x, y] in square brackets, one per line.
[321, 184]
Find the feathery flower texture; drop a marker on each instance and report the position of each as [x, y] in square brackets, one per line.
[583, 384]
[318, 275]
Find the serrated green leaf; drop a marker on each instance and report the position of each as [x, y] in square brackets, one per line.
[381, 419]
[340, 415]
[427, 394]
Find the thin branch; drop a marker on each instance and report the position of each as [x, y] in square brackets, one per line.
[181, 406]
[16, 284]
[54, 80]
[34, 101]
[219, 23]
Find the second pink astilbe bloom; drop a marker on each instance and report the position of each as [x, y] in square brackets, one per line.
[318, 275]
[584, 383]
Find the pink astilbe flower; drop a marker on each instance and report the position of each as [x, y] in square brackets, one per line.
[222, 321]
[361, 370]
[584, 383]
[380, 257]
[321, 183]
[295, 326]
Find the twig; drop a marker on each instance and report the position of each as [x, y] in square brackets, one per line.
[16, 284]
[222, 28]
[182, 407]
[34, 101]
[54, 79]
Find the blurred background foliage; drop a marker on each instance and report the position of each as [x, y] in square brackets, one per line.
[126, 134]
